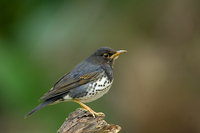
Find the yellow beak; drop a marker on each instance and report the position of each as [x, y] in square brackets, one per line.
[118, 53]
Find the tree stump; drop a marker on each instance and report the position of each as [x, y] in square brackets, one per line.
[81, 121]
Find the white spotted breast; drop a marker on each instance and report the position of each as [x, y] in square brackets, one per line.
[96, 89]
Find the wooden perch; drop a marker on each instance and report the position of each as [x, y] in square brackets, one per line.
[81, 121]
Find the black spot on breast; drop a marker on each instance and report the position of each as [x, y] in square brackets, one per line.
[100, 78]
[95, 84]
[99, 85]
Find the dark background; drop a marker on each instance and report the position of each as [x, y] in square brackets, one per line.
[157, 83]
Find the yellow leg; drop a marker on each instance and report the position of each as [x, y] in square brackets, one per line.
[87, 108]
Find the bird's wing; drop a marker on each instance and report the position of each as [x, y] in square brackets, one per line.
[72, 80]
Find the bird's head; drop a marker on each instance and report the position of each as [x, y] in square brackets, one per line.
[105, 56]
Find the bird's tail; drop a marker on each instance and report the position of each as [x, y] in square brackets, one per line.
[42, 105]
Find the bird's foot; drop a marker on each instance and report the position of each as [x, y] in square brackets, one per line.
[95, 113]
[89, 109]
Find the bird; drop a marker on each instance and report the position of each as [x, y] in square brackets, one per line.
[86, 82]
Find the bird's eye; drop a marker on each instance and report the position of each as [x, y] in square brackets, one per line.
[105, 55]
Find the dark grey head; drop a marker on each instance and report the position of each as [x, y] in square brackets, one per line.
[105, 56]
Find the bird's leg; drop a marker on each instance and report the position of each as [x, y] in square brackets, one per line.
[88, 108]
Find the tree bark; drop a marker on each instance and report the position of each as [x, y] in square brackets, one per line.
[81, 121]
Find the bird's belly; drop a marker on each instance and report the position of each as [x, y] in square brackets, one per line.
[96, 90]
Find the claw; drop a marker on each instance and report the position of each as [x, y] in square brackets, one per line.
[88, 108]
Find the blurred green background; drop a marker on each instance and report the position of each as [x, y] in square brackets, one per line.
[157, 83]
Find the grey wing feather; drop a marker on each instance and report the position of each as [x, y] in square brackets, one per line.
[73, 79]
